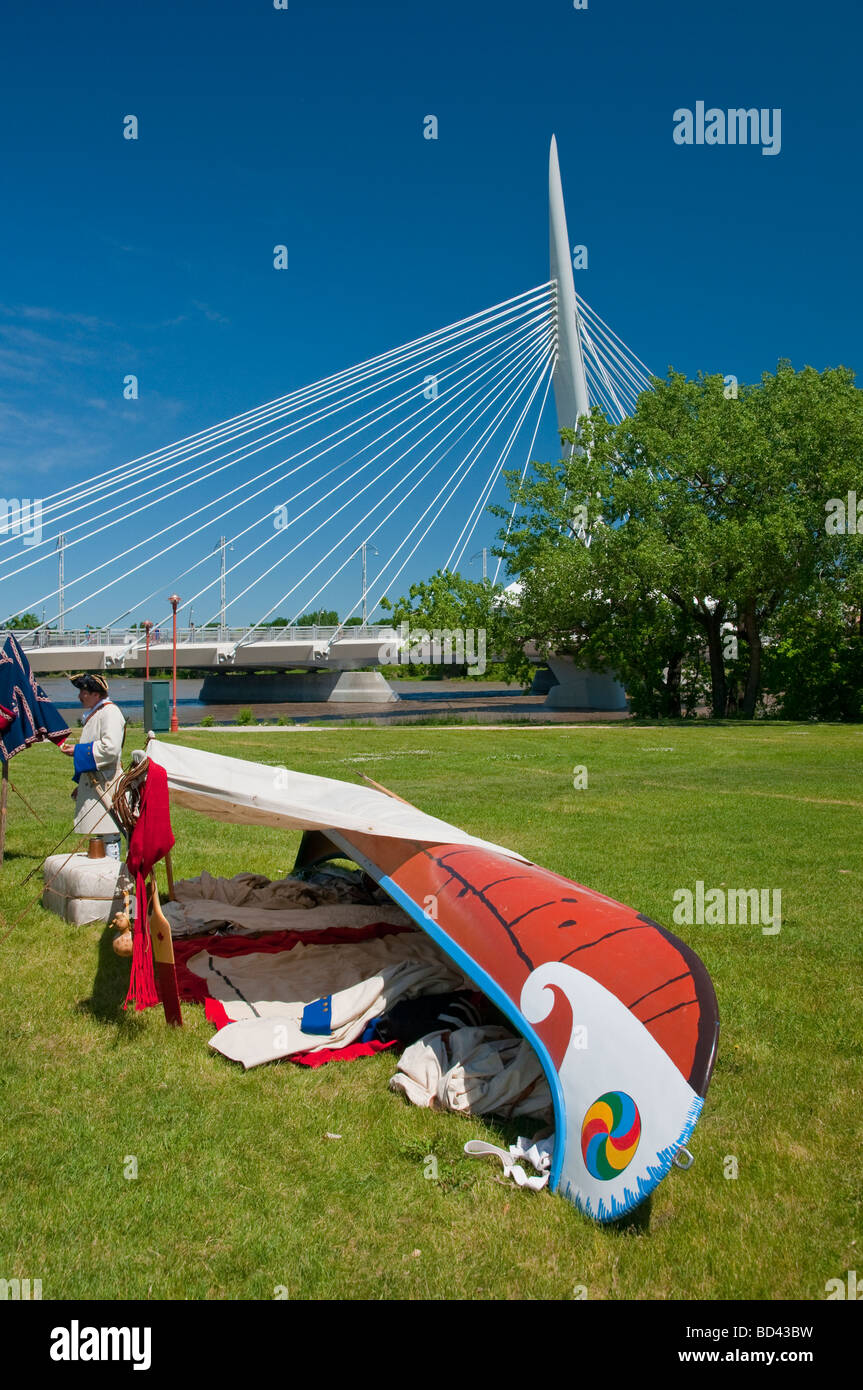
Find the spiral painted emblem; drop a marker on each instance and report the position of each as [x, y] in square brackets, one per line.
[610, 1133]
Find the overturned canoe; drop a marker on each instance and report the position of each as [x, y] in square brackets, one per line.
[621, 1014]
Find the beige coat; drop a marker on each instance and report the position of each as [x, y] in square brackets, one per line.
[106, 730]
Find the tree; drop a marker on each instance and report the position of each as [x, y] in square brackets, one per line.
[447, 602]
[815, 663]
[706, 518]
[598, 603]
[25, 622]
[319, 617]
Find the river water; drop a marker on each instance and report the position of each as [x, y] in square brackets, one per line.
[483, 701]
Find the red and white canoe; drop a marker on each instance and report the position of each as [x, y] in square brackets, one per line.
[621, 1013]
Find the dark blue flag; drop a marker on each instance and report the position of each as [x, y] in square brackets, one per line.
[26, 714]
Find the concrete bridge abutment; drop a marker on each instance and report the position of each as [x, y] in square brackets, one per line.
[296, 688]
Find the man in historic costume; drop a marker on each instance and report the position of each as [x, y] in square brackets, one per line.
[97, 756]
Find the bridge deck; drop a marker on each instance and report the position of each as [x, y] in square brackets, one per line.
[312, 648]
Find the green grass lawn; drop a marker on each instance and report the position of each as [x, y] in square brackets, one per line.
[239, 1190]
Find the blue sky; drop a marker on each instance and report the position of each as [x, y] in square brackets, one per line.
[305, 127]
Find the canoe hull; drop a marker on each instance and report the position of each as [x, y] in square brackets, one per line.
[621, 1013]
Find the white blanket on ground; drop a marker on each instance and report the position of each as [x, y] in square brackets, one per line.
[476, 1071]
[265, 995]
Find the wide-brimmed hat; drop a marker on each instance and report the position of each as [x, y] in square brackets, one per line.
[96, 685]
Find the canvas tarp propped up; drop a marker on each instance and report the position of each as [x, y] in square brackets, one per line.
[229, 789]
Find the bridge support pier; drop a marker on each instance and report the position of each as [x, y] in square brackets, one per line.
[581, 689]
[296, 688]
[544, 680]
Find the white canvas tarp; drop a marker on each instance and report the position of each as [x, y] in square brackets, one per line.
[230, 789]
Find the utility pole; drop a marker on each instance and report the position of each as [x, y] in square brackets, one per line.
[223, 564]
[484, 553]
[61, 546]
[374, 551]
[222, 547]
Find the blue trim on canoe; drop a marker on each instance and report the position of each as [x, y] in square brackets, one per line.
[506, 1005]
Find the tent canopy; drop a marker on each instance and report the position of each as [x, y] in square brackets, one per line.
[230, 789]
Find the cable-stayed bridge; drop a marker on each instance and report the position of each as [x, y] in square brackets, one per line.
[393, 460]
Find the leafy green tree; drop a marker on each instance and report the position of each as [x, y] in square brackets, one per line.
[447, 602]
[598, 603]
[706, 519]
[319, 617]
[814, 658]
[25, 622]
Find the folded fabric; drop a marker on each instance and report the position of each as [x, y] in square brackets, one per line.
[410, 1019]
[259, 891]
[196, 916]
[476, 1071]
[265, 995]
[193, 989]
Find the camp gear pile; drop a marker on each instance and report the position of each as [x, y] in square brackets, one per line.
[316, 969]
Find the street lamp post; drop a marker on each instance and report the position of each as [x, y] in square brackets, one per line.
[175, 723]
[61, 613]
[148, 627]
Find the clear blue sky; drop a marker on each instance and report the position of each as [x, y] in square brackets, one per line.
[304, 126]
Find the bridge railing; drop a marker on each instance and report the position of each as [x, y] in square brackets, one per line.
[198, 636]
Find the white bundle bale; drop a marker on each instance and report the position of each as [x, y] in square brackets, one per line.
[82, 890]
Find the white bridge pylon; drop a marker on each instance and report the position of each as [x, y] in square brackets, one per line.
[397, 456]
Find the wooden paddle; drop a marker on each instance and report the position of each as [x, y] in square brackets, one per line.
[163, 956]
